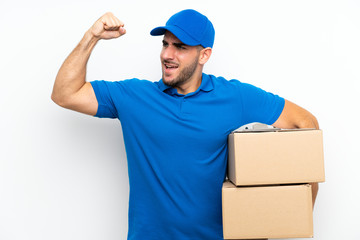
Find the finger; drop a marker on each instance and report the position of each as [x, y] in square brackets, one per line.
[111, 28]
[113, 34]
[110, 19]
[112, 23]
[119, 23]
[122, 31]
[114, 20]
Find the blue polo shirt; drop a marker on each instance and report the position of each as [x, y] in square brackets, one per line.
[176, 148]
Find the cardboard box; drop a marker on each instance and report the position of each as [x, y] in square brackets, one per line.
[267, 211]
[268, 157]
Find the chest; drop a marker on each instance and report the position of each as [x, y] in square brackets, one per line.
[171, 121]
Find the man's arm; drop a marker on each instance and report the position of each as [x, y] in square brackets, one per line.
[70, 88]
[294, 116]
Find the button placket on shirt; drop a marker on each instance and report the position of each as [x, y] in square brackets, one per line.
[185, 105]
[185, 102]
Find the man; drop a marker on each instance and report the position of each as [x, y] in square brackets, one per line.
[175, 130]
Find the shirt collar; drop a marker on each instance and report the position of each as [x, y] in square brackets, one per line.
[162, 86]
[206, 85]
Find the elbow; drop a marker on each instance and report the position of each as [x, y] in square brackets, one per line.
[316, 123]
[58, 100]
[309, 122]
[55, 98]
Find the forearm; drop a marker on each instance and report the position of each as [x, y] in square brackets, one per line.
[294, 116]
[72, 74]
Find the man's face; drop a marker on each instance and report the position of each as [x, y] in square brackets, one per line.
[178, 61]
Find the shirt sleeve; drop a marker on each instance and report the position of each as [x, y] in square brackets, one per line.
[106, 106]
[259, 105]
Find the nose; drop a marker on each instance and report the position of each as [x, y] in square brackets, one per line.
[168, 53]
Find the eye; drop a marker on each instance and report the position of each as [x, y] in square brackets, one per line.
[181, 47]
[165, 44]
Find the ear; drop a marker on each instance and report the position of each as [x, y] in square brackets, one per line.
[204, 55]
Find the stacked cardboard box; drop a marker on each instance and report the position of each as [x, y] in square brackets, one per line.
[268, 195]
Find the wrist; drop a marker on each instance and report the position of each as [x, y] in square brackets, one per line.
[89, 40]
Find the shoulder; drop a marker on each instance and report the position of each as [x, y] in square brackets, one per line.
[126, 84]
[221, 83]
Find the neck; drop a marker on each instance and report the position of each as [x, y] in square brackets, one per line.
[191, 85]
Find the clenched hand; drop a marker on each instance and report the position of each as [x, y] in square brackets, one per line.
[108, 27]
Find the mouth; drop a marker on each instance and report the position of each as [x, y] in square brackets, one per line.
[170, 66]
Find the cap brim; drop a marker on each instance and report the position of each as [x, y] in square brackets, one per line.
[158, 31]
[178, 32]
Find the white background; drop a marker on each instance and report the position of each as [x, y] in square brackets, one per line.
[63, 175]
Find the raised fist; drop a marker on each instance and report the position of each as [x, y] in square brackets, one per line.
[108, 27]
